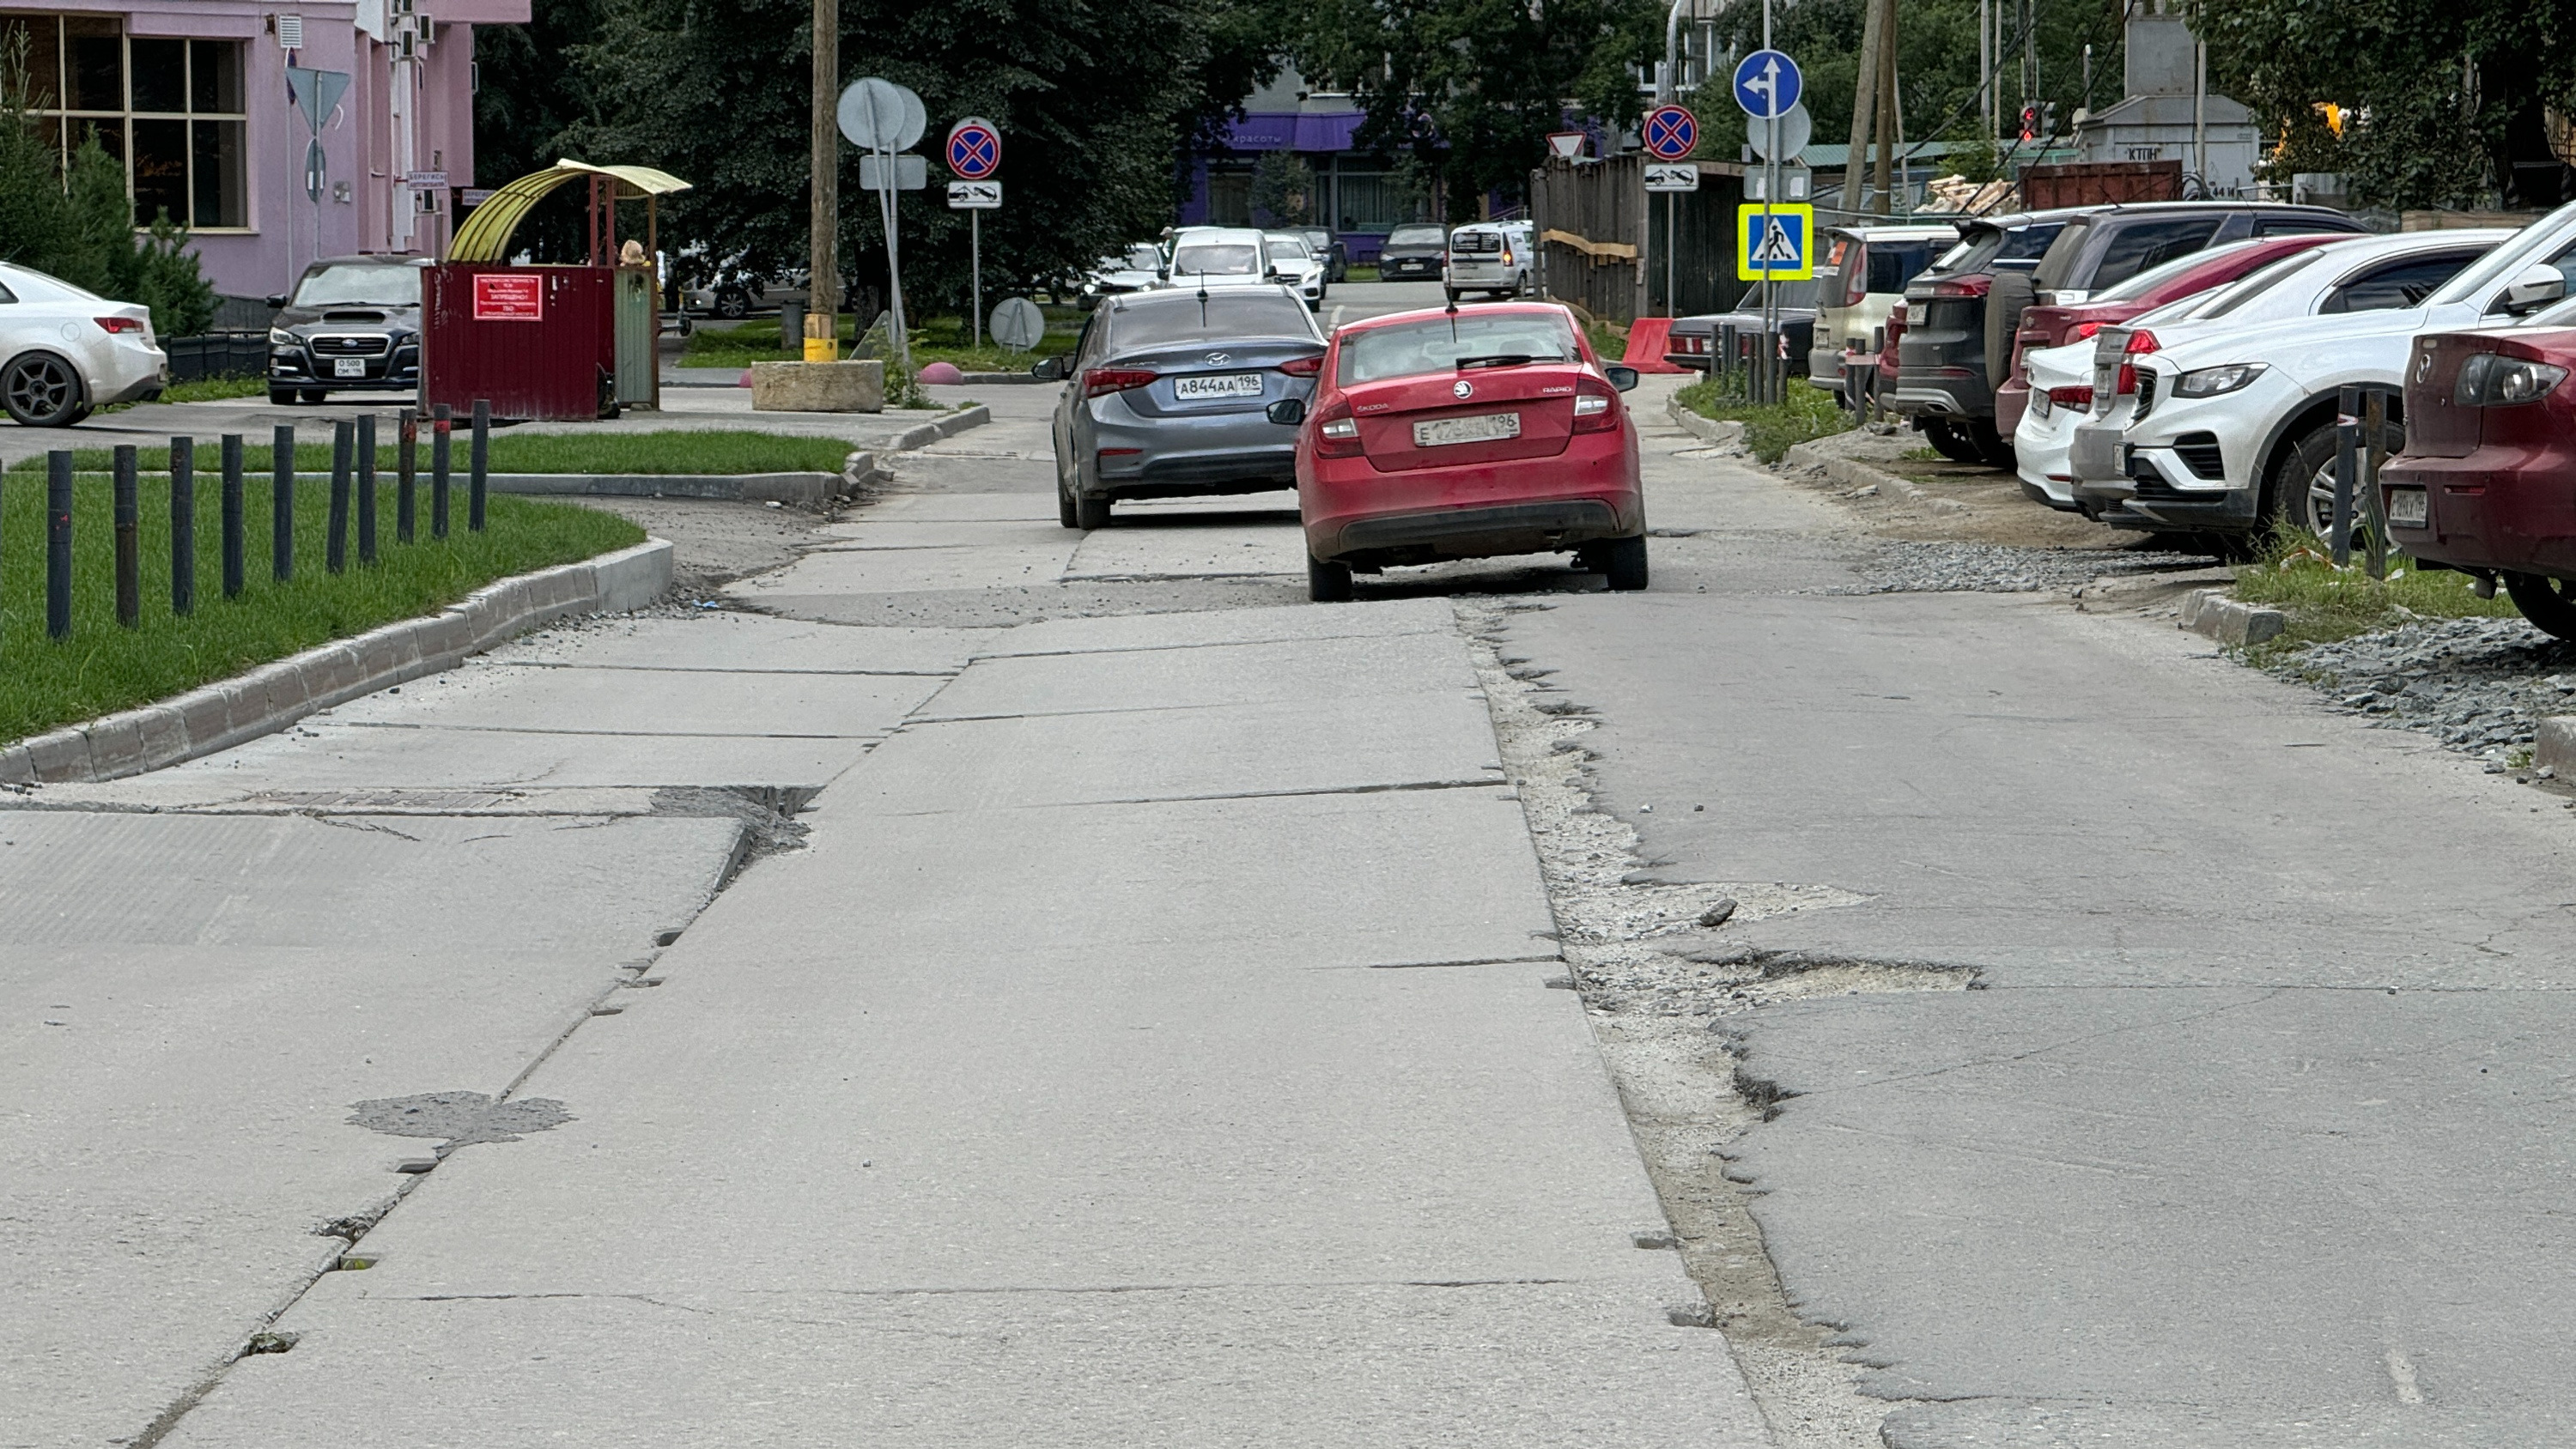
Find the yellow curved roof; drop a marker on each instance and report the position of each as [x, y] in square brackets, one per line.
[485, 236]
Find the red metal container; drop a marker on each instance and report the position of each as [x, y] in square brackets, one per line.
[536, 342]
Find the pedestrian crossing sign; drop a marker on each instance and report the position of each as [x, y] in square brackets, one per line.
[1773, 242]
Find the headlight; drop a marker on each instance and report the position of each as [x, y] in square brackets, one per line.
[2490, 380]
[280, 337]
[2212, 381]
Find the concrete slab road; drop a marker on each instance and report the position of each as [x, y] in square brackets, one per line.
[1142, 1037]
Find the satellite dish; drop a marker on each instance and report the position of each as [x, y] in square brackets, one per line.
[881, 116]
[1018, 324]
[1796, 129]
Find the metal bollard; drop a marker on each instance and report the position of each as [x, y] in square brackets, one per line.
[129, 539]
[2374, 424]
[232, 515]
[367, 488]
[2347, 440]
[281, 504]
[1724, 363]
[791, 327]
[479, 463]
[335, 547]
[441, 429]
[183, 526]
[58, 544]
[406, 488]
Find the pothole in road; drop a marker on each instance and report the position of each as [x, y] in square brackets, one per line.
[459, 1117]
[1659, 987]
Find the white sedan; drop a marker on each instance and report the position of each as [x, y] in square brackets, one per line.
[1299, 269]
[70, 351]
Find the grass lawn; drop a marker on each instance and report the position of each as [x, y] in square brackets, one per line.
[2294, 574]
[1773, 428]
[1360, 273]
[685, 451]
[45, 683]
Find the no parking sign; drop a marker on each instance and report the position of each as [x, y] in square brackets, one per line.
[974, 149]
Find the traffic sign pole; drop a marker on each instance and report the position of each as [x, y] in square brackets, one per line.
[975, 154]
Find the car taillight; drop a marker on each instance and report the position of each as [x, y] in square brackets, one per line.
[121, 324]
[2071, 397]
[1856, 277]
[1337, 433]
[1101, 381]
[1596, 406]
[1896, 315]
[1507, 256]
[2084, 330]
[2139, 344]
[1975, 284]
[1302, 366]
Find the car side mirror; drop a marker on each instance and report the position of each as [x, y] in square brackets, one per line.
[1621, 376]
[1287, 412]
[1049, 369]
[2538, 285]
[275, 299]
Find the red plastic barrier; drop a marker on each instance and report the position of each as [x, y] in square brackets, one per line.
[1648, 339]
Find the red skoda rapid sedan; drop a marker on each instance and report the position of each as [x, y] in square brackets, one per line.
[2482, 486]
[1447, 434]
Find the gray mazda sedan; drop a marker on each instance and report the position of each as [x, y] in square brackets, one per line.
[1169, 394]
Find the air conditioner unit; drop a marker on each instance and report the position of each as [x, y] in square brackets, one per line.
[407, 44]
[398, 8]
[290, 31]
[422, 23]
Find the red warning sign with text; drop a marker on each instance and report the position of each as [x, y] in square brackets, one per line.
[509, 297]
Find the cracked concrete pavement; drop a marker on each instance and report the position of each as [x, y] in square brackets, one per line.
[1140, 1034]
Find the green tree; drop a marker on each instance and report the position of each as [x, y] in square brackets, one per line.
[1470, 88]
[1283, 189]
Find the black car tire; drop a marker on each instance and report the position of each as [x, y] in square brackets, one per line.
[2011, 293]
[1623, 564]
[43, 390]
[2299, 493]
[731, 302]
[1949, 442]
[2550, 604]
[1327, 582]
[1993, 448]
[1065, 513]
[1090, 513]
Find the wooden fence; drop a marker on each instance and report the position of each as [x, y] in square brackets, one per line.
[1603, 241]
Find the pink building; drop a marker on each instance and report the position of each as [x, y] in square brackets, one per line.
[194, 97]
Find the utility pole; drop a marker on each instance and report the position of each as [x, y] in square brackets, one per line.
[1873, 34]
[823, 293]
[1890, 124]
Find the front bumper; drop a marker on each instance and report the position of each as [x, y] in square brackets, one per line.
[1425, 268]
[394, 370]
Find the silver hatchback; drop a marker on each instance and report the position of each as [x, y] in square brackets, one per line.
[1168, 394]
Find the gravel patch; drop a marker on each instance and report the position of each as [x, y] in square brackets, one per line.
[1987, 568]
[2480, 686]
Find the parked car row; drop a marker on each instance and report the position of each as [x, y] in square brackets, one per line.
[1214, 257]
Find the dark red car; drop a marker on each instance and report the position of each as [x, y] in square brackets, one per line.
[2482, 486]
[2055, 326]
[1466, 434]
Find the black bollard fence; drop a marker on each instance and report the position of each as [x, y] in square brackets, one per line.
[129, 540]
[480, 461]
[281, 504]
[441, 430]
[2347, 441]
[407, 484]
[58, 544]
[232, 515]
[367, 489]
[344, 440]
[183, 526]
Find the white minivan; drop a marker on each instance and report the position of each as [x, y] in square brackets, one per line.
[1493, 257]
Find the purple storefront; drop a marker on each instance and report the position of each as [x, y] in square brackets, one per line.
[1357, 194]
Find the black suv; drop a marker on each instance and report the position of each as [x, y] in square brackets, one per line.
[1960, 316]
[1414, 250]
[352, 325]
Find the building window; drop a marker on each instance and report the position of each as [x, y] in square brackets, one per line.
[172, 111]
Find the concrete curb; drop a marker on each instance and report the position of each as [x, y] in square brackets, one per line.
[267, 699]
[2211, 612]
[1855, 473]
[1707, 430]
[2553, 745]
[938, 428]
[806, 488]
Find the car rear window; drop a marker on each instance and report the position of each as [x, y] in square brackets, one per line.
[1416, 236]
[1411, 349]
[1217, 260]
[1176, 317]
[1987, 247]
[2263, 281]
[1893, 264]
[2141, 283]
[1476, 241]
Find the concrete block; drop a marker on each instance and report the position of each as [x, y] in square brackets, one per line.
[62, 755]
[2194, 603]
[2243, 624]
[162, 737]
[205, 714]
[17, 766]
[115, 746]
[332, 673]
[443, 638]
[632, 578]
[818, 387]
[2554, 746]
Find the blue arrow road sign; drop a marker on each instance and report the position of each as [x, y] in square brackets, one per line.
[1669, 132]
[1767, 84]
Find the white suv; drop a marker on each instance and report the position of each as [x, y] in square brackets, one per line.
[2222, 428]
[1220, 256]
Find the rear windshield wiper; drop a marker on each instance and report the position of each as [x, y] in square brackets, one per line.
[1503, 359]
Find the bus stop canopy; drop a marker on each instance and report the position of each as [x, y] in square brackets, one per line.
[485, 236]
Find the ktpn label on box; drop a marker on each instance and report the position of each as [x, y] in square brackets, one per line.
[509, 297]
